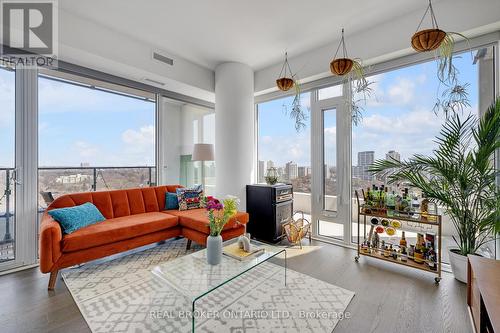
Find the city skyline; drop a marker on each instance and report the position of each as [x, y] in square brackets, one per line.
[292, 170]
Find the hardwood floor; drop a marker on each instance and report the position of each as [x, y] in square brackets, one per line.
[389, 298]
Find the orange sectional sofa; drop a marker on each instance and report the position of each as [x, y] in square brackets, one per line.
[134, 217]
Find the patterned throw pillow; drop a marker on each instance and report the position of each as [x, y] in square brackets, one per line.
[190, 198]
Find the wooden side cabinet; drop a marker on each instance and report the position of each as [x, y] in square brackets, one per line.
[483, 293]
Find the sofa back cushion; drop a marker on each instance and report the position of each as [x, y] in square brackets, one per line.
[118, 203]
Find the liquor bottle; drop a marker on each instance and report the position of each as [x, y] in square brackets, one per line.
[390, 201]
[415, 205]
[387, 252]
[402, 242]
[404, 255]
[431, 259]
[394, 254]
[405, 204]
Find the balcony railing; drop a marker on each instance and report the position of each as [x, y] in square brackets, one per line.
[56, 181]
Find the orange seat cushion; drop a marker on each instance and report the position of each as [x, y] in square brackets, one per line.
[197, 219]
[117, 229]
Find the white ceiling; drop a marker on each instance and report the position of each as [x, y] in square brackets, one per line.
[255, 32]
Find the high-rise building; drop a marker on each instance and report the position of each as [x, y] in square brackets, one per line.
[393, 155]
[366, 157]
[270, 164]
[291, 170]
[262, 171]
[302, 171]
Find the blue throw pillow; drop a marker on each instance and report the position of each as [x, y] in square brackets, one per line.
[171, 201]
[77, 217]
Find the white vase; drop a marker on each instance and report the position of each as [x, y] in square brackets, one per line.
[214, 249]
[458, 264]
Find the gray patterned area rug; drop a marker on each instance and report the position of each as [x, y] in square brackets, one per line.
[122, 295]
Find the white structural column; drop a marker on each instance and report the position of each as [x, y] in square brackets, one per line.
[234, 129]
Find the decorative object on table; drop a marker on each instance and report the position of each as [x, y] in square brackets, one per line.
[236, 252]
[379, 229]
[219, 214]
[384, 222]
[374, 221]
[244, 243]
[271, 176]
[462, 177]
[354, 73]
[296, 230]
[190, 198]
[203, 152]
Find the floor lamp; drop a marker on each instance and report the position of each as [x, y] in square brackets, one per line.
[203, 152]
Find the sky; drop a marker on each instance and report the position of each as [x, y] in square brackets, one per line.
[81, 125]
[398, 116]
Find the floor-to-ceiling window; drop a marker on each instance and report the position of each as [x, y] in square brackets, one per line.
[281, 146]
[7, 164]
[399, 121]
[93, 138]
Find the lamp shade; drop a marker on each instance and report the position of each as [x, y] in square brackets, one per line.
[203, 152]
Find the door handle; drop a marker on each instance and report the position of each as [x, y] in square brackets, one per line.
[15, 176]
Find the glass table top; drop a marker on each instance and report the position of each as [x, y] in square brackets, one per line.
[193, 277]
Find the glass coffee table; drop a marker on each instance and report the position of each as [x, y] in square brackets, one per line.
[194, 278]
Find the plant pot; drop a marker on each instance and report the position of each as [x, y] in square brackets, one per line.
[458, 264]
[341, 66]
[284, 83]
[427, 40]
[214, 249]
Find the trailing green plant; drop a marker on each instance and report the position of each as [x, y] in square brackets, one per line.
[460, 176]
[296, 110]
[361, 91]
[454, 97]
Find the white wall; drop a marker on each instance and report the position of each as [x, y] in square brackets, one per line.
[92, 45]
[388, 40]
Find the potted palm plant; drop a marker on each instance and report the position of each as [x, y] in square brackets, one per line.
[461, 177]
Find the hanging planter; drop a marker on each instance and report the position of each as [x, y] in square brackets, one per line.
[455, 95]
[341, 66]
[428, 39]
[353, 72]
[285, 82]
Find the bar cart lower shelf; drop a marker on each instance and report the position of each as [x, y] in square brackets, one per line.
[409, 263]
[377, 253]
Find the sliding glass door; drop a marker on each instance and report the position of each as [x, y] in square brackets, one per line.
[7, 167]
[331, 167]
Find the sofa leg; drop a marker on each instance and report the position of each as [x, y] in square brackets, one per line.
[53, 279]
[188, 245]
